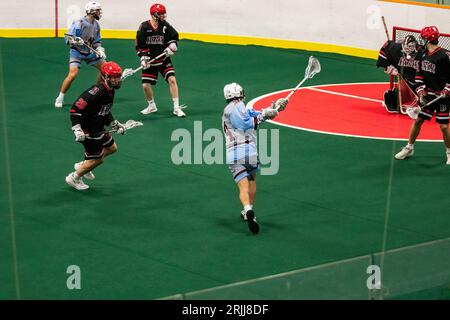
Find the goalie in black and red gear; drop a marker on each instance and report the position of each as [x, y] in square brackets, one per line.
[433, 81]
[89, 115]
[153, 38]
[399, 59]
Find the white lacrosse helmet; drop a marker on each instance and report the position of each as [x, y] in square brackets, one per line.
[92, 7]
[233, 91]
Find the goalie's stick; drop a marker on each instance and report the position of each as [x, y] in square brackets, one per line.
[413, 112]
[71, 36]
[311, 70]
[385, 28]
[129, 72]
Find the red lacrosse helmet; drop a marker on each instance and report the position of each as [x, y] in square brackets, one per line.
[430, 34]
[112, 74]
[158, 11]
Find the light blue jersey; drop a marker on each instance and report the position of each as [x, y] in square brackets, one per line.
[90, 33]
[239, 125]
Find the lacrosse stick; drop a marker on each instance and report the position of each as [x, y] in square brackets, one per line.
[385, 28]
[413, 112]
[129, 72]
[75, 38]
[130, 124]
[311, 70]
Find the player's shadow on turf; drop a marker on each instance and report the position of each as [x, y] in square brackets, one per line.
[430, 162]
[70, 195]
[236, 225]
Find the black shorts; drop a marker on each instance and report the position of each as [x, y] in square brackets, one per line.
[93, 147]
[150, 75]
[441, 107]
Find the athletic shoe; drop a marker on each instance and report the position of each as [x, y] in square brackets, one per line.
[59, 103]
[249, 216]
[149, 109]
[178, 112]
[76, 183]
[406, 152]
[89, 175]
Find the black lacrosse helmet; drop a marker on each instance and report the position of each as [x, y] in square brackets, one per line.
[391, 101]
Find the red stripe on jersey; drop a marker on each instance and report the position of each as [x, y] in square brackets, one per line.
[436, 50]
[168, 69]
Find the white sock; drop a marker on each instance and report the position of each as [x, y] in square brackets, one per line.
[248, 207]
[411, 146]
[151, 103]
[176, 103]
[61, 96]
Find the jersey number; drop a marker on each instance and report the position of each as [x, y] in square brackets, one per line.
[81, 104]
[104, 110]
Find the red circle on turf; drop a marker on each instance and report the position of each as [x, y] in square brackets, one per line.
[345, 109]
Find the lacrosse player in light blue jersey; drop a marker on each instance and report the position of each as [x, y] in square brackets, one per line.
[239, 124]
[84, 40]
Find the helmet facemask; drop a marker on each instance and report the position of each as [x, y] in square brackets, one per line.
[409, 46]
[94, 9]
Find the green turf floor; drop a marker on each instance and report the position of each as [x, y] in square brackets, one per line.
[148, 228]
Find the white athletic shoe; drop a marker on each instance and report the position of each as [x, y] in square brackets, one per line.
[178, 112]
[89, 175]
[59, 103]
[149, 109]
[406, 152]
[76, 183]
[448, 157]
[243, 215]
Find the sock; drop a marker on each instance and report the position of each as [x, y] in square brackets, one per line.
[151, 103]
[61, 96]
[410, 145]
[176, 103]
[248, 207]
[75, 175]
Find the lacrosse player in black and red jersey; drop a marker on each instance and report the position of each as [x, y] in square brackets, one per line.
[154, 37]
[89, 115]
[433, 80]
[399, 58]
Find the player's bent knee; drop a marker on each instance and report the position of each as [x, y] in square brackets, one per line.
[72, 75]
[172, 80]
[113, 148]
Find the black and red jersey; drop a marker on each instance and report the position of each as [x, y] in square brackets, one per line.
[434, 74]
[391, 54]
[92, 109]
[152, 42]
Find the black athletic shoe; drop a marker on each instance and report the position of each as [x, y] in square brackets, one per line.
[251, 220]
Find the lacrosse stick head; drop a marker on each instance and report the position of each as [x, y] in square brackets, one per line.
[313, 68]
[130, 124]
[413, 112]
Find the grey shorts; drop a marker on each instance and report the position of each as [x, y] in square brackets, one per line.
[242, 170]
